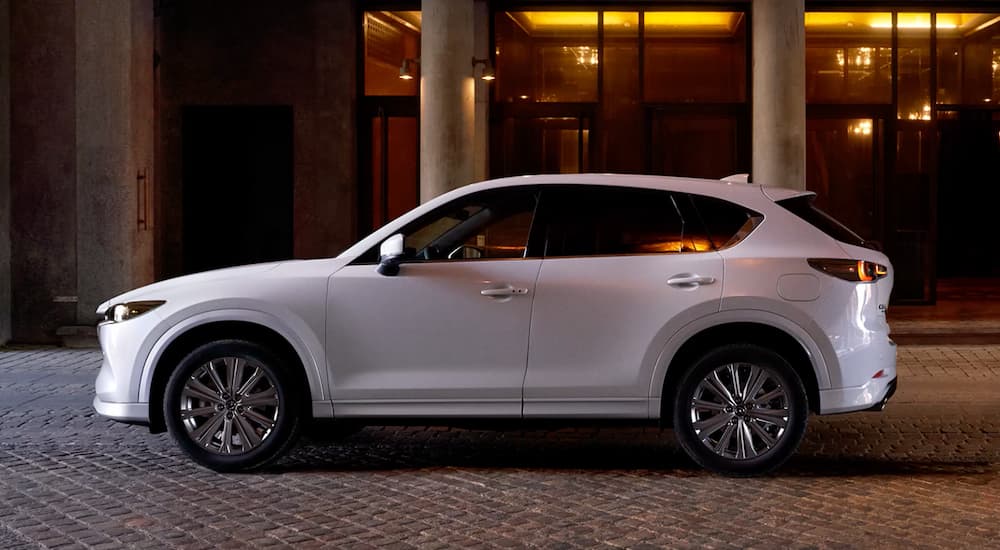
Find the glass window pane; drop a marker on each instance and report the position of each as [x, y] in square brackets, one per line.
[968, 58]
[399, 182]
[548, 145]
[494, 224]
[693, 145]
[848, 57]
[621, 107]
[621, 221]
[695, 56]
[914, 66]
[545, 56]
[840, 168]
[391, 37]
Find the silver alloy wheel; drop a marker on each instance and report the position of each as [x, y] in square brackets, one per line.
[740, 410]
[229, 410]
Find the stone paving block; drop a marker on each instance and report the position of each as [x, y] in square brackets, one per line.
[859, 480]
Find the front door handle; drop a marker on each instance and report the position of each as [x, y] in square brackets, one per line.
[503, 291]
[688, 280]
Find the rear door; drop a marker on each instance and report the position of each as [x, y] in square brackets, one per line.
[619, 265]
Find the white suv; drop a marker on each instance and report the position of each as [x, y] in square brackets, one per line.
[729, 311]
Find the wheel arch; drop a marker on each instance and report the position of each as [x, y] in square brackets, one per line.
[173, 348]
[783, 338]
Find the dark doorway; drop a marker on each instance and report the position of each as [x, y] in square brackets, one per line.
[238, 174]
[968, 193]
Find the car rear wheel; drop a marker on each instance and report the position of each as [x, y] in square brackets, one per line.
[231, 406]
[741, 410]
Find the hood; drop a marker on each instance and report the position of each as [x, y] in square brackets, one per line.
[160, 290]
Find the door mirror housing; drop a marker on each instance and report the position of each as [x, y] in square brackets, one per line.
[390, 255]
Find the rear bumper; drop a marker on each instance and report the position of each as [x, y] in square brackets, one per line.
[871, 396]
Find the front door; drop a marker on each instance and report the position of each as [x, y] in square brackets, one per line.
[448, 335]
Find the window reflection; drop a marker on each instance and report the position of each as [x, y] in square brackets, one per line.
[840, 168]
[914, 86]
[547, 56]
[848, 57]
[968, 58]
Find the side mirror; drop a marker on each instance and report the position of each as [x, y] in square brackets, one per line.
[390, 255]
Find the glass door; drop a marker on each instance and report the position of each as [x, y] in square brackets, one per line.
[541, 139]
[390, 161]
[708, 144]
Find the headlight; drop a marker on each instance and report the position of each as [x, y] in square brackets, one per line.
[123, 312]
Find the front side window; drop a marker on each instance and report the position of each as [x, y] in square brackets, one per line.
[592, 221]
[488, 225]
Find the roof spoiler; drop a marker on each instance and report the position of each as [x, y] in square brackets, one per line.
[737, 178]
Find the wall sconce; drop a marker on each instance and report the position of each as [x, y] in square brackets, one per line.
[406, 70]
[488, 72]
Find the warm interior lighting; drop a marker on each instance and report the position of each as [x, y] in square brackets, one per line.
[585, 55]
[862, 128]
[862, 21]
[569, 21]
[724, 21]
[406, 69]
[488, 73]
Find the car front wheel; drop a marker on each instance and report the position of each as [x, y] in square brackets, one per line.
[740, 410]
[231, 406]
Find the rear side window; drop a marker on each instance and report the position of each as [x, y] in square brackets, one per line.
[592, 221]
[804, 208]
[726, 223]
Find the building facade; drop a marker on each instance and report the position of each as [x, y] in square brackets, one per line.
[141, 140]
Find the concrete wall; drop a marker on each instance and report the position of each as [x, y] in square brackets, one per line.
[302, 55]
[43, 168]
[4, 171]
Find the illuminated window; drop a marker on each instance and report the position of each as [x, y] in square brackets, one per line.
[391, 38]
[848, 57]
[694, 56]
[547, 56]
[968, 58]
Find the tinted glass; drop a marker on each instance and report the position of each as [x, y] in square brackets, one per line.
[726, 223]
[803, 208]
[605, 221]
[488, 225]
[546, 56]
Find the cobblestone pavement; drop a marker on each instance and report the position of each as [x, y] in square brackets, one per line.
[924, 473]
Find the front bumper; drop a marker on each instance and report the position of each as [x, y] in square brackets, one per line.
[133, 413]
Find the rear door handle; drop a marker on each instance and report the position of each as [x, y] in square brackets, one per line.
[504, 291]
[687, 280]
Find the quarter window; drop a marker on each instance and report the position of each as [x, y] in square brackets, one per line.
[726, 223]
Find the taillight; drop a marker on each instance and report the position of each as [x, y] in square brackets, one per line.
[856, 271]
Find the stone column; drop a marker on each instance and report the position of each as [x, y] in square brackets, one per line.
[4, 171]
[42, 169]
[114, 149]
[779, 98]
[481, 143]
[447, 96]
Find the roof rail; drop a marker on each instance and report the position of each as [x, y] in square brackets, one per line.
[737, 178]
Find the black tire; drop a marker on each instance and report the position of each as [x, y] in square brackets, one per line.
[252, 445]
[716, 431]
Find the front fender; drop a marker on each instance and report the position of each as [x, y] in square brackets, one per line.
[289, 326]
